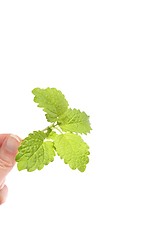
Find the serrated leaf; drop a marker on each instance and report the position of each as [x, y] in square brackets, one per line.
[35, 152]
[73, 150]
[52, 101]
[73, 120]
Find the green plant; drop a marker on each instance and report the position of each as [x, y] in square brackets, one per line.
[61, 137]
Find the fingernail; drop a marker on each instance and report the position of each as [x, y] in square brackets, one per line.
[12, 144]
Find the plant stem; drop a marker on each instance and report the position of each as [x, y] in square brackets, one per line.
[51, 126]
[57, 128]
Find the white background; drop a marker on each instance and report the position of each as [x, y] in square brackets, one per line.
[105, 56]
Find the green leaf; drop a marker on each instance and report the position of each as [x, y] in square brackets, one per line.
[73, 120]
[35, 152]
[73, 150]
[52, 101]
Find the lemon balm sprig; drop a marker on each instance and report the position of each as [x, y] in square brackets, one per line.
[62, 137]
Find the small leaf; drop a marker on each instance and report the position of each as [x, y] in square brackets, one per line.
[52, 101]
[73, 150]
[35, 152]
[74, 120]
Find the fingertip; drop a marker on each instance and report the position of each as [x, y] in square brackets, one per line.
[8, 151]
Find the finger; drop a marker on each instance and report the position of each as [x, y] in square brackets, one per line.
[3, 194]
[2, 138]
[8, 151]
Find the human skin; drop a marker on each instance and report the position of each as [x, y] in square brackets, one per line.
[8, 149]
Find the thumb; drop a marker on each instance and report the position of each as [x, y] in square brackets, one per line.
[8, 151]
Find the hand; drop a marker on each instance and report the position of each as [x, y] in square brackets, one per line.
[8, 149]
